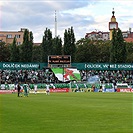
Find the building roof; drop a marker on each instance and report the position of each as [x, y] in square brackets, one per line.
[128, 39]
[130, 35]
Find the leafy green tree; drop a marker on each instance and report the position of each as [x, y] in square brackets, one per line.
[4, 52]
[36, 56]
[47, 45]
[118, 52]
[129, 52]
[83, 41]
[26, 47]
[122, 51]
[57, 46]
[66, 43]
[80, 55]
[14, 57]
[113, 50]
[86, 51]
[30, 46]
[103, 48]
[69, 43]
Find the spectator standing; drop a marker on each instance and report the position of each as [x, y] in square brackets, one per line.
[18, 88]
[103, 87]
[100, 89]
[93, 88]
[47, 89]
[35, 88]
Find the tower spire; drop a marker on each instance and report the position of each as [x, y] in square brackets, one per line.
[55, 24]
[113, 12]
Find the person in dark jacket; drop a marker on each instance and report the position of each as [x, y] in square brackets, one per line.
[18, 88]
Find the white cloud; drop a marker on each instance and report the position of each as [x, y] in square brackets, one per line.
[85, 16]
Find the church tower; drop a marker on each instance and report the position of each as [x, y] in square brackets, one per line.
[113, 24]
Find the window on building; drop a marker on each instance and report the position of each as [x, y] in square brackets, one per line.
[9, 36]
[17, 36]
[125, 35]
[18, 43]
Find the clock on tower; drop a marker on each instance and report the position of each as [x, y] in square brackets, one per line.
[113, 25]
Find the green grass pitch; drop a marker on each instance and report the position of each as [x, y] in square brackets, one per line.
[67, 113]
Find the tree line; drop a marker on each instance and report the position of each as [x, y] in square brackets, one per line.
[83, 50]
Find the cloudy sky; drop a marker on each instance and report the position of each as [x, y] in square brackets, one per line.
[83, 15]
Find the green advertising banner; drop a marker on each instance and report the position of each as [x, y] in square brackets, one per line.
[21, 65]
[79, 66]
[103, 66]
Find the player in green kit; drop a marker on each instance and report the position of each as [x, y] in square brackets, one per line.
[25, 87]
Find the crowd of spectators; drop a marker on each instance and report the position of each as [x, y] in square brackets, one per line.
[26, 76]
[46, 75]
[105, 76]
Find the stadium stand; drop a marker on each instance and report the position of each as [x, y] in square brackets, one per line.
[42, 76]
[118, 76]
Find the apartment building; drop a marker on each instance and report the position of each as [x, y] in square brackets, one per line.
[127, 35]
[97, 35]
[8, 36]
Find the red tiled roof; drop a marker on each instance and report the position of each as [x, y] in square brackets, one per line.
[130, 35]
[128, 39]
[93, 32]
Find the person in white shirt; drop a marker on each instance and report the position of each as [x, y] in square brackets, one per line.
[103, 87]
[47, 89]
[35, 88]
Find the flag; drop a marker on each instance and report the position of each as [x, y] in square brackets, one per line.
[67, 74]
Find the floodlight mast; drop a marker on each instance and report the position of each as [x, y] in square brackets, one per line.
[55, 24]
